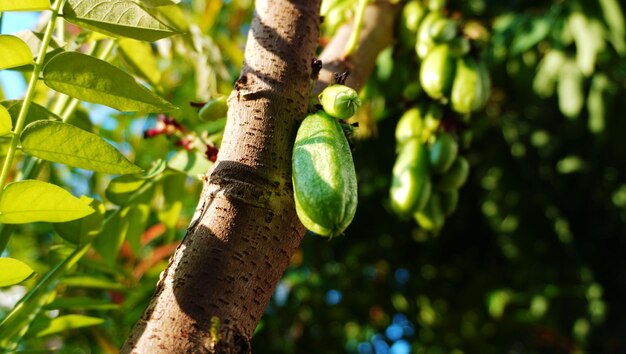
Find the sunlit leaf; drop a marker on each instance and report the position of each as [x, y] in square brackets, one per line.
[588, 36]
[84, 229]
[119, 18]
[548, 71]
[35, 111]
[134, 221]
[17, 321]
[6, 125]
[156, 3]
[94, 80]
[190, 162]
[614, 17]
[13, 271]
[13, 52]
[63, 323]
[33, 41]
[24, 5]
[67, 144]
[596, 102]
[82, 303]
[140, 58]
[524, 40]
[121, 188]
[31, 201]
[570, 89]
[91, 282]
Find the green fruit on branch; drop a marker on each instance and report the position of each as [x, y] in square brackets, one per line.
[449, 201]
[443, 152]
[431, 218]
[443, 30]
[424, 41]
[340, 101]
[455, 177]
[323, 176]
[436, 5]
[437, 72]
[412, 14]
[410, 183]
[432, 121]
[214, 109]
[410, 125]
[471, 85]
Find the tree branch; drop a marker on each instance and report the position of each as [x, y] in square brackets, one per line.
[216, 287]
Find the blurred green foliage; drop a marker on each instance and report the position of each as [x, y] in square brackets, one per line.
[529, 263]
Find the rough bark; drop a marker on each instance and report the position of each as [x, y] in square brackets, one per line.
[236, 251]
[245, 229]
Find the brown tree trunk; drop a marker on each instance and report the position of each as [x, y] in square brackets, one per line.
[218, 283]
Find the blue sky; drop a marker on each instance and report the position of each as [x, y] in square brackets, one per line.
[12, 82]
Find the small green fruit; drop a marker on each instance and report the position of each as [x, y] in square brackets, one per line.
[410, 184]
[340, 101]
[471, 86]
[214, 109]
[431, 218]
[443, 152]
[410, 125]
[437, 72]
[323, 176]
[455, 177]
[448, 201]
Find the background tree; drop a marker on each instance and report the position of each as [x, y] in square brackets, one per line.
[526, 263]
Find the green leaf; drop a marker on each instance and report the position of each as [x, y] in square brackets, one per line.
[614, 17]
[18, 320]
[13, 52]
[35, 111]
[33, 41]
[24, 5]
[31, 201]
[67, 144]
[526, 39]
[138, 55]
[596, 100]
[83, 303]
[588, 36]
[84, 229]
[570, 89]
[94, 80]
[134, 221]
[190, 162]
[173, 193]
[121, 188]
[118, 18]
[13, 271]
[63, 323]
[156, 3]
[6, 125]
[90, 282]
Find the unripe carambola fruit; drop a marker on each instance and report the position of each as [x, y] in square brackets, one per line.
[340, 101]
[455, 176]
[410, 183]
[323, 176]
[410, 125]
[437, 72]
[431, 218]
[214, 109]
[443, 152]
[470, 88]
[412, 14]
[443, 29]
[425, 42]
[449, 201]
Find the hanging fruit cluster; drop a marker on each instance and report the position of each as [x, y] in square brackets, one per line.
[429, 168]
[323, 174]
